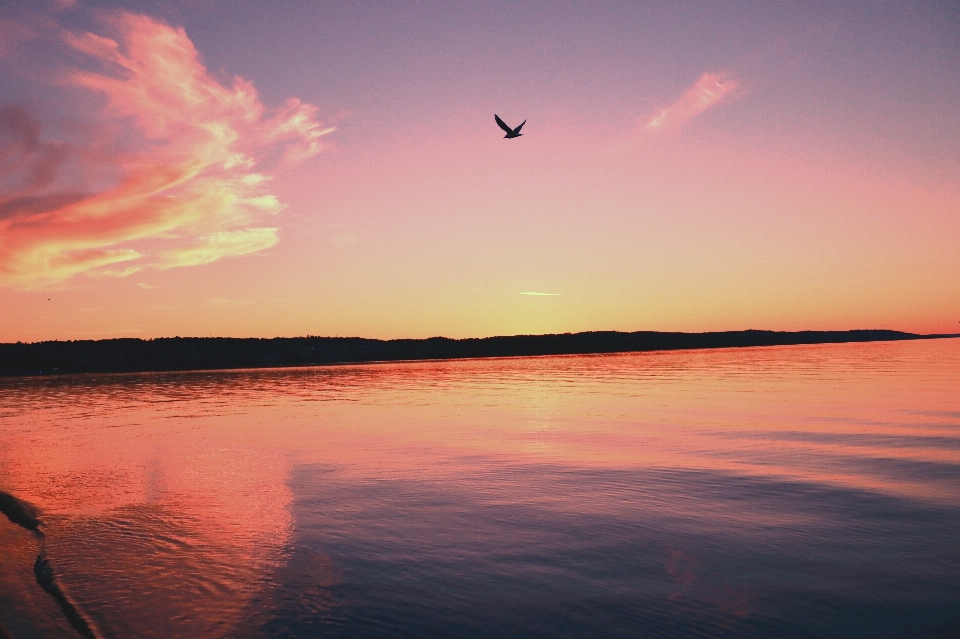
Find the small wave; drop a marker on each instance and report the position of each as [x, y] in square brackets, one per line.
[26, 516]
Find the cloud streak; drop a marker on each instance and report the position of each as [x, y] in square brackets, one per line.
[708, 91]
[190, 160]
[223, 243]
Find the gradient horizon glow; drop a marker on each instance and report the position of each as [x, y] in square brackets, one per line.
[245, 169]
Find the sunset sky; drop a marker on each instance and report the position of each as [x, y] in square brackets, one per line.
[292, 168]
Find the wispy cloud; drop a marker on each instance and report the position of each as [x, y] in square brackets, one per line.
[190, 159]
[540, 294]
[217, 245]
[146, 286]
[706, 92]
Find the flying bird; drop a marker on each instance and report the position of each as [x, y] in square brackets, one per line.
[511, 133]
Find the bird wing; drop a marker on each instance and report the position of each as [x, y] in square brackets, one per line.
[517, 130]
[502, 124]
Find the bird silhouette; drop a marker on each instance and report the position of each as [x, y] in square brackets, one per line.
[511, 133]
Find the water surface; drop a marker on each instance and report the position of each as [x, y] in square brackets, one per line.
[803, 491]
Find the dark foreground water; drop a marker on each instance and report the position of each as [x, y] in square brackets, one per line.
[808, 491]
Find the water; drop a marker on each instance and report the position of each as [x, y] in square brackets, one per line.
[808, 491]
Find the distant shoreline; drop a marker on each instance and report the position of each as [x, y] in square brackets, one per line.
[128, 355]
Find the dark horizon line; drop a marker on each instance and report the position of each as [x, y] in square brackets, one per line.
[134, 354]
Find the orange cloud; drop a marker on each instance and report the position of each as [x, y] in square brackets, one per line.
[190, 159]
[709, 90]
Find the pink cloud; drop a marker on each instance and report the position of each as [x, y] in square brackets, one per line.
[190, 159]
[706, 92]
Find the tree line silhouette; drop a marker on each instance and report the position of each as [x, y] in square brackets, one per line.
[200, 353]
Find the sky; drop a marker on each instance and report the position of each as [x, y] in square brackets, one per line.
[257, 169]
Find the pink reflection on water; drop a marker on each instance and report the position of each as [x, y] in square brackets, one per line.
[203, 460]
[98, 442]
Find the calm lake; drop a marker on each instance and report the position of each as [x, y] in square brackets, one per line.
[803, 491]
